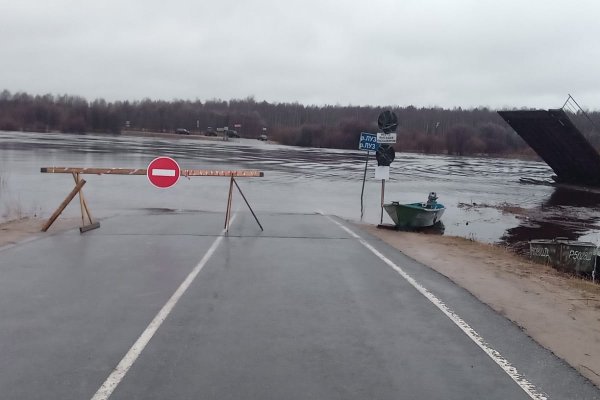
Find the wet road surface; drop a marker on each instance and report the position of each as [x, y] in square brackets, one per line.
[303, 310]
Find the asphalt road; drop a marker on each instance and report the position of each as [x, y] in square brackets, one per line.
[303, 310]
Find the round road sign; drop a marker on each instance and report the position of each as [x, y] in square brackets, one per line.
[387, 121]
[385, 155]
[163, 172]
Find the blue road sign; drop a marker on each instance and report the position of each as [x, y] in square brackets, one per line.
[368, 141]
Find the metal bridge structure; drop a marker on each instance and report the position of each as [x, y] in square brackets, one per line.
[558, 141]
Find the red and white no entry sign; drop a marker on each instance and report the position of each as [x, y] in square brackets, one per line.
[163, 172]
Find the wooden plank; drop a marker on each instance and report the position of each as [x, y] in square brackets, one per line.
[77, 178]
[248, 204]
[388, 226]
[229, 201]
[89, 214]
[95, 171]
[142, 171]
[83, 203]
[89, 227]
[63, 205]
[237, 174]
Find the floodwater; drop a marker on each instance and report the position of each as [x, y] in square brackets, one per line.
[483, 196]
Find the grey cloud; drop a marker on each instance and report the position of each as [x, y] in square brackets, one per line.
[424, 53]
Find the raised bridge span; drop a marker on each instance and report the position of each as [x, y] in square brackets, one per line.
[559, 143]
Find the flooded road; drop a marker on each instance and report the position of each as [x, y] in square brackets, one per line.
[483, 196]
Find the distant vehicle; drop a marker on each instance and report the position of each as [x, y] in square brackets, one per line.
[182, 131]
[264, 138]
[232, 134]
[210, 133]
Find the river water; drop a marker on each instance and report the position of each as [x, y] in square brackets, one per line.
[484, 199]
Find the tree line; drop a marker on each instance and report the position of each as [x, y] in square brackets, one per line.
[427, 130]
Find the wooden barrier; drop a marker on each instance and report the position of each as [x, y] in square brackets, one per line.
[143, 171]
[76, 172]
[63, 205]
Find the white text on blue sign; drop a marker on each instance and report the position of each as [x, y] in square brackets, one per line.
[368, 141]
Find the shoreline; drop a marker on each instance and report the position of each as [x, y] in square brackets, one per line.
[559, 311]
[26, 229]
[166, 135]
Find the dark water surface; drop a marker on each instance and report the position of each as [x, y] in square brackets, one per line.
[483, 196]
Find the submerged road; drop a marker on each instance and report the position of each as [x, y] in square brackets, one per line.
[165, 306]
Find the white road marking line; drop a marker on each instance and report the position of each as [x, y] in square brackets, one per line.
[117, 375]
[163, 172]
[527, 386]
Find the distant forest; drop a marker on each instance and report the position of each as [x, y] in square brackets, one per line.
[426, 130]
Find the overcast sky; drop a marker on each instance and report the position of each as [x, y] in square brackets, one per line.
[401, 52]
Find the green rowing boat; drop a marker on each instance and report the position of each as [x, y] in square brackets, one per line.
[416, 215]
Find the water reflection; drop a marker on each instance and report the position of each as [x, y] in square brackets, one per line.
[566, 213]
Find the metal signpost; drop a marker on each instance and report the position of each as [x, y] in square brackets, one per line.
[368, 142]
[387, 122]
[385, 154]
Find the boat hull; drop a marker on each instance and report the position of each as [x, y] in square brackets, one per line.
[414, 215]
[566, 255]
